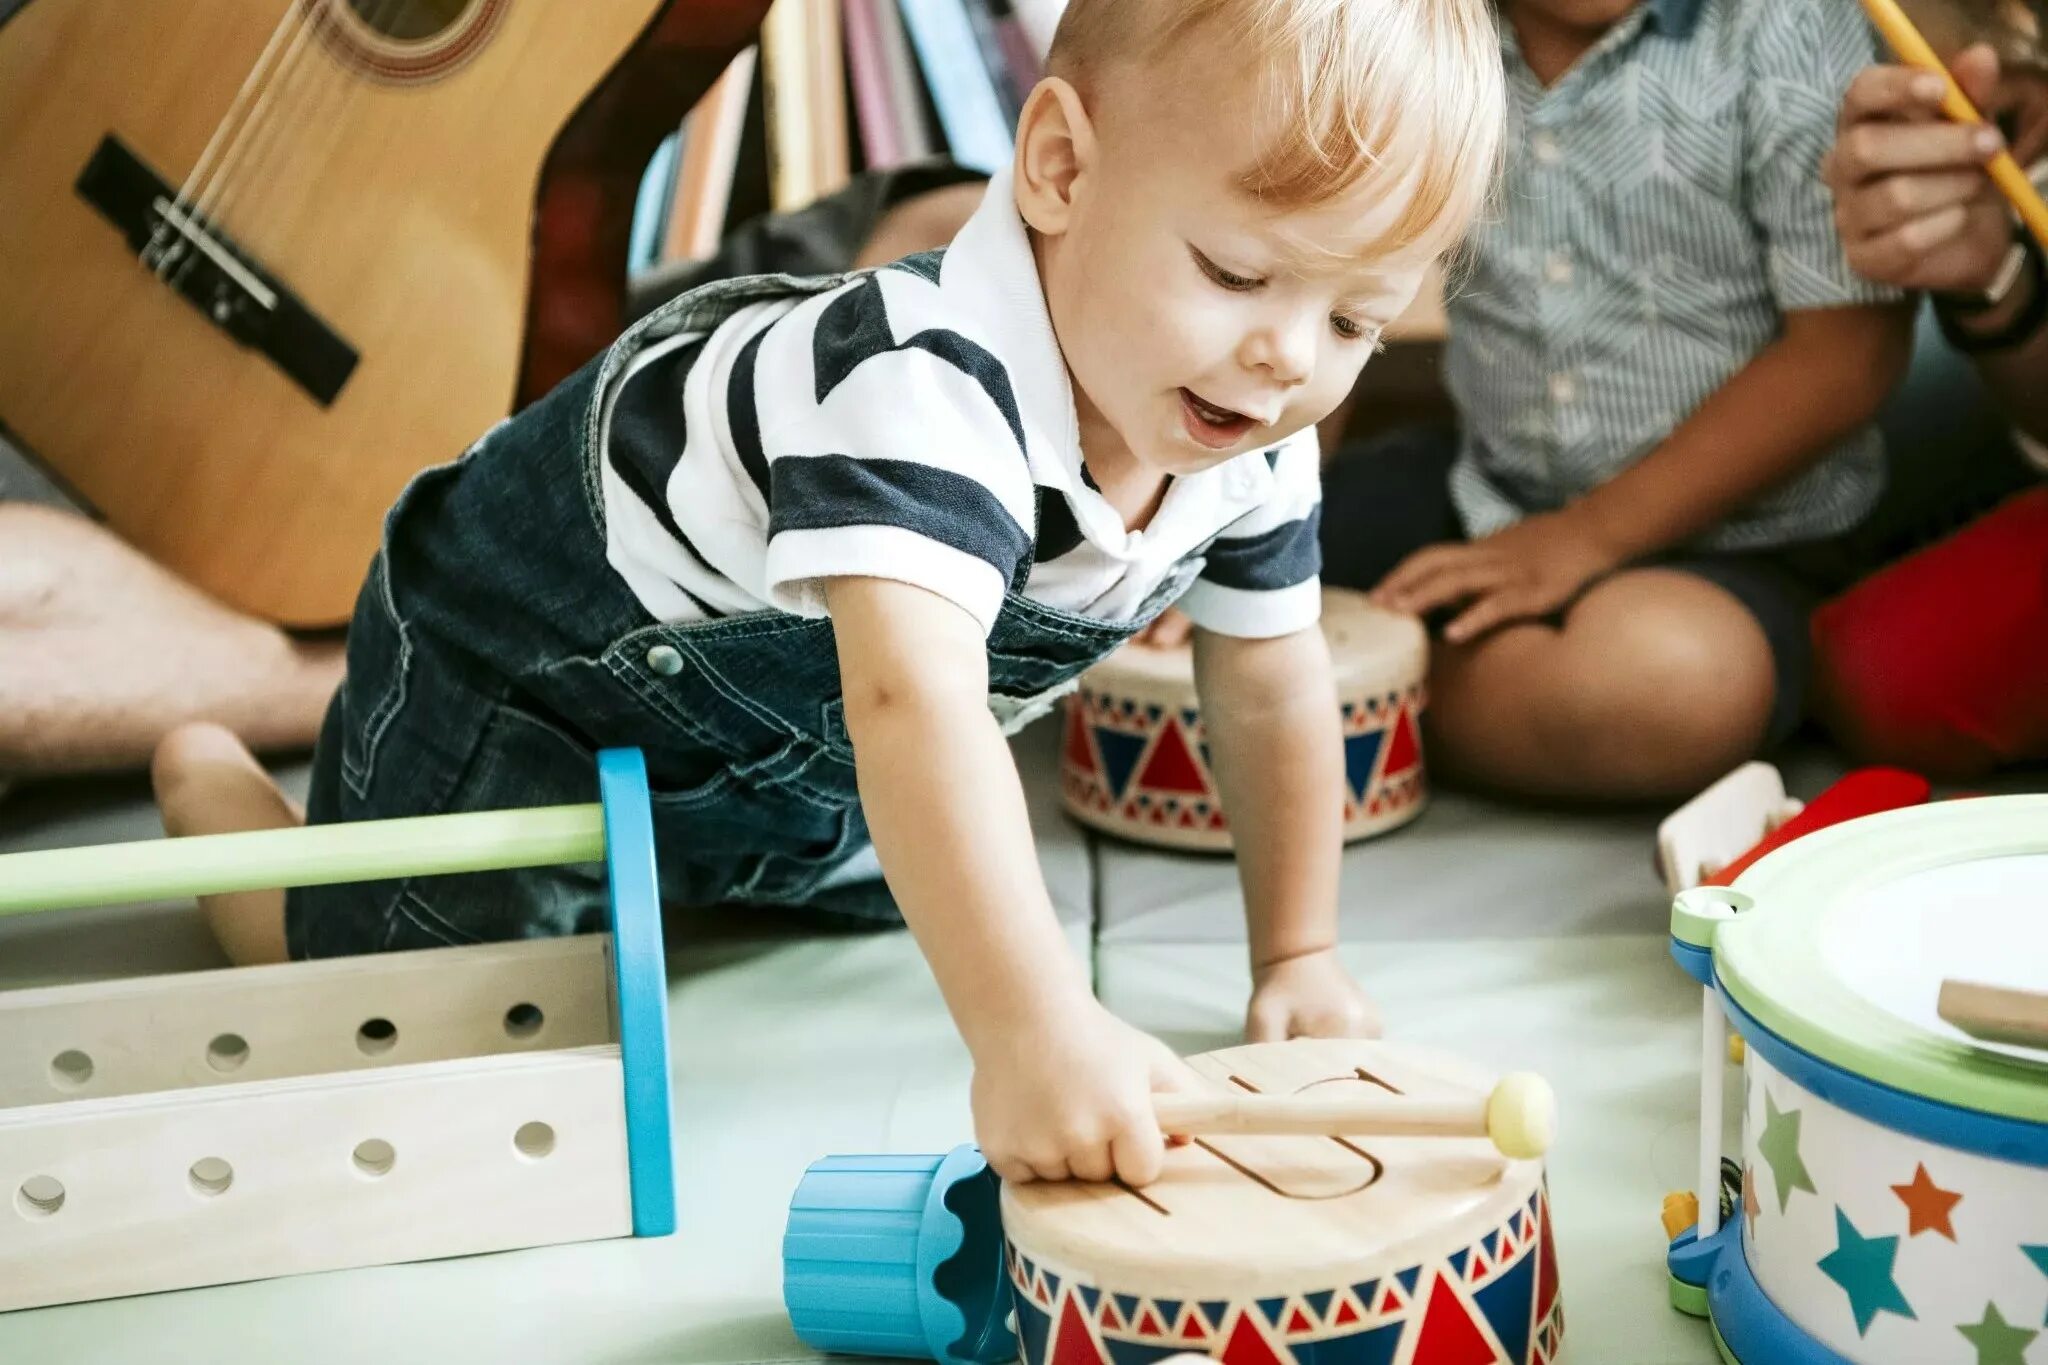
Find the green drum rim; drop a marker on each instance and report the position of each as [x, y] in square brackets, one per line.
[1770, 960]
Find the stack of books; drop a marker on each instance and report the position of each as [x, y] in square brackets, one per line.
[836, 86]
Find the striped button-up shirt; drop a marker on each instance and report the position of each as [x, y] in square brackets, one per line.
[1661, 211]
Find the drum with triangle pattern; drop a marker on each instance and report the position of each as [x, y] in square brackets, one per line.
[1135, 761]
[1297, 1250]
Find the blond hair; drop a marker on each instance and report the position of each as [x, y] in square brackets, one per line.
[1406, 92]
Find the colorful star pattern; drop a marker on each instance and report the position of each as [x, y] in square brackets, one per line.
[1996, 1340]
[1928, 1206]
[1862, 1266]
[1780, 1146]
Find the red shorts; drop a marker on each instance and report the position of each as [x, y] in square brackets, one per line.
[1939, 663]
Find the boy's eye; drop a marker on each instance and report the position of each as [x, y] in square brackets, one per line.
[1348, 328]
[1236, 283]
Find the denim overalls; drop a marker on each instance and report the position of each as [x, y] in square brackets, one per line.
[493, 650]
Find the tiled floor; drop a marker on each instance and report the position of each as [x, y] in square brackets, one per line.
[1518, 938]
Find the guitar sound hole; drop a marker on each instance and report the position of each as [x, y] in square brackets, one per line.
[409, 21]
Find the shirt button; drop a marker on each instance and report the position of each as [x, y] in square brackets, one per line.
[1558, 267]
[1545, 147]
[1562, 388]
[665, 660]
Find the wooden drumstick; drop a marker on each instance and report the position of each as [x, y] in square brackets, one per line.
[1913, 49]
[1520, 1116]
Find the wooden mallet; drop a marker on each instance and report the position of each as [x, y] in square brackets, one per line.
[1519, 1115]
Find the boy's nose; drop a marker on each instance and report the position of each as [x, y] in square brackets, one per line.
[1286, 350]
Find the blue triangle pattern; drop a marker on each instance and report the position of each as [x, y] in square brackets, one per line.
[1492, 1245]
[1169, 1312]
[1376, 1347]
[1034, 1330]
[1361, 757]
[1090, 1296]
[1127, 1308]
[1119, 758]
[1364, 1294]
[1319, 1305]
[1215, 1310]
[1188, 717]
[1458, 1259]
[1507, 1304]
[1408, 1278]
[1273, 1308]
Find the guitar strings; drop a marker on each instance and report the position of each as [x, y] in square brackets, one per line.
[320, 119]
[210, 208]
[215, 147]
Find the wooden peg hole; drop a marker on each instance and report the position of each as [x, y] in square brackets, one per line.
[376, 1036]
[227, 1052]
[374, 1157]
[211, 1176]
[39, 1196]
[524, 1020]
[70, 1069]
[534, 1140]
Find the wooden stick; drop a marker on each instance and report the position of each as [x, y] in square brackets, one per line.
[1997, 1014]
[1914, 50]
[1520, 1115]
[319, 855]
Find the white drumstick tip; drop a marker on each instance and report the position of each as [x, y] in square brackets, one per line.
[1521, 1116]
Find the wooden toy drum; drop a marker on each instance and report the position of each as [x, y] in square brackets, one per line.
[1286, 1250]
[1894, 1202]
[1136, 759]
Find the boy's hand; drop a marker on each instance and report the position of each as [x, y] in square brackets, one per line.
[1073, 1099]
[1531, 570]
[1311, 996]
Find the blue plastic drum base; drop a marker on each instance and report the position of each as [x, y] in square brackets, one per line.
[1748, 1328]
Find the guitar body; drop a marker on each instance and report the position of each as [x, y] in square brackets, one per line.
[413, 217]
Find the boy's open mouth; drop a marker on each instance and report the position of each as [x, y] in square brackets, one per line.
[1217, 428]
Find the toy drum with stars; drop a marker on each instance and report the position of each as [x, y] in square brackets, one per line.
[1264, 1250]
[1894, 1172]
[1136, 759]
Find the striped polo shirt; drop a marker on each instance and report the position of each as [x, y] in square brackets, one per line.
[1661, 211]
[917, 423]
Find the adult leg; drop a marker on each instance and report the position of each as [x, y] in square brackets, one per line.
[1656, 682]
[103, 652]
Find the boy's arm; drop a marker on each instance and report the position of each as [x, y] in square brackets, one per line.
[1061, 1088]
[1270, 710]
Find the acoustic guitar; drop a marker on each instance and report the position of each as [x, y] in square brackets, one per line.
[262, 260]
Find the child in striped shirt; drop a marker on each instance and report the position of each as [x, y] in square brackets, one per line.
[814, 545]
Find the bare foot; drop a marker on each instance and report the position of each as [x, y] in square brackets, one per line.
[207, 782]
[1171, 630]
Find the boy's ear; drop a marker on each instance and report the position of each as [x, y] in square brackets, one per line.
[1055, 149]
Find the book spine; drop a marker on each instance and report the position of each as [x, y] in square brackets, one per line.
[830, 149]
[785, 75]
[961, 86]
[881, 142]
[906, 95]
[989, 42]
[710, 161]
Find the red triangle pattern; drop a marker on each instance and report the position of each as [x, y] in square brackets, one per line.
[1075, 1344]
[1247, 1347]
[1404, 750]
[1038, 1291]
[1298, 1323]
[1192, 1328]
[1546, 1269]
[1346, 1314]
[1079, 754]
[1170, 767]
[1390, 1298]
[1109, 1317]
[1477, 1270]
[1449, 1336]
[1149, 1324]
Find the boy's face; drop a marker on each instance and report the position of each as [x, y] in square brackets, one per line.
[1196, 323]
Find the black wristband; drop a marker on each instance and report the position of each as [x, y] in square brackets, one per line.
[2023, 326]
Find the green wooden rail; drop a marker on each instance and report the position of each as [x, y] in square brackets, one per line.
[170, 869]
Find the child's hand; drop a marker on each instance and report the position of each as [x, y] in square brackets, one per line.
[1074, 1100]
[1311, 996]
[1531, 570]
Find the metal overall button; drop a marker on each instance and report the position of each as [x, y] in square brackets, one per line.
[665, 660]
